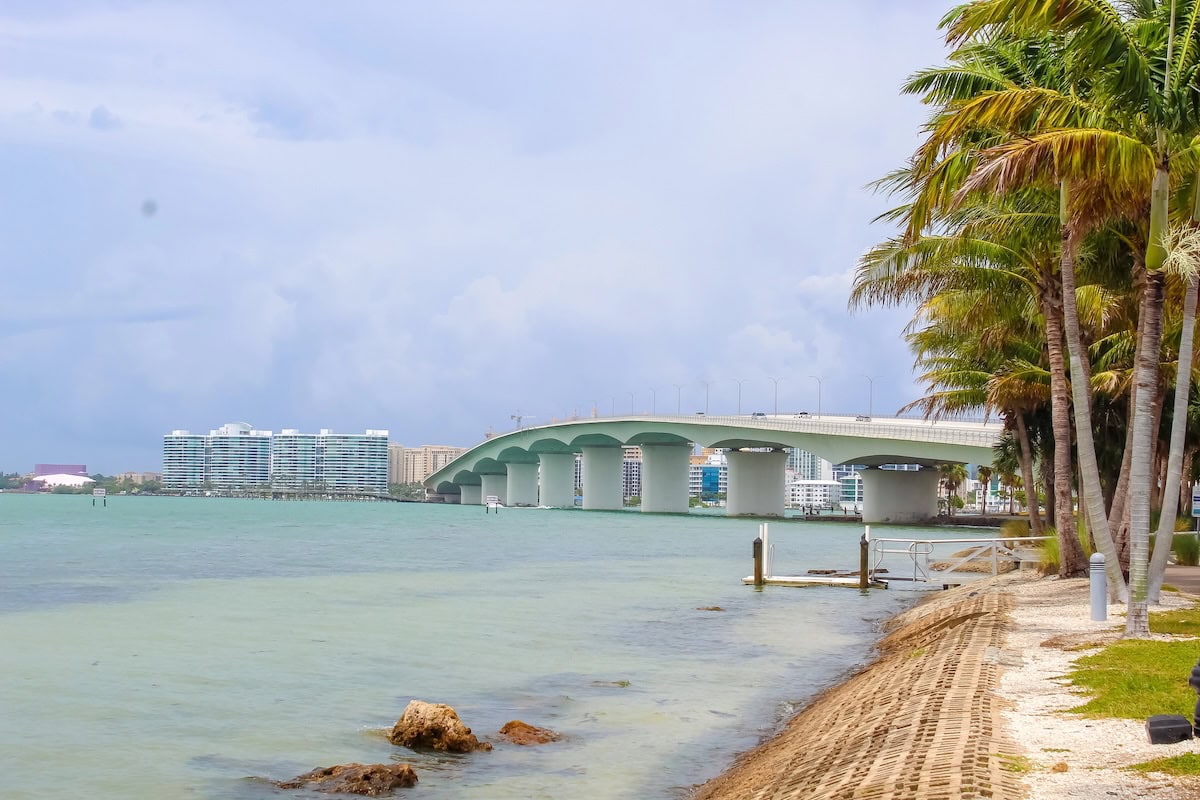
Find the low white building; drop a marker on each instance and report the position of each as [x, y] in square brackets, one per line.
[51, 481]
[822, 494]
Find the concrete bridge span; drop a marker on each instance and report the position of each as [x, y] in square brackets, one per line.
[536, 465]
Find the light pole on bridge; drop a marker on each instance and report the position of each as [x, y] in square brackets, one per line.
[871, 393]
[653, 401]
[776, 382]
[739, 381]
[632, 402]
[678, 396]
[706, 385]
[818, 380]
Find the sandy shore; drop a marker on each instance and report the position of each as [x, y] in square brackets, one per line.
[966, 700]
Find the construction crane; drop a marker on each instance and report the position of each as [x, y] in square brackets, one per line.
[518, 417]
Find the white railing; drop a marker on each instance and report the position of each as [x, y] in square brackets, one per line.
[920, 553]
[947, 432]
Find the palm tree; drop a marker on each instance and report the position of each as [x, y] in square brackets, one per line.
[998, 253]
[984, 474]
[1144, 57]
[953, 476]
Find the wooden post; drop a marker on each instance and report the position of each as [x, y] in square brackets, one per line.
[864, 544]
[758, 562]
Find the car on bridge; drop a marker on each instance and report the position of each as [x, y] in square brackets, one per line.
[862, 418]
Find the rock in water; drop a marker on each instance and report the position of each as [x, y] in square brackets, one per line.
[372, 780]
[523, 733]
[435, 726]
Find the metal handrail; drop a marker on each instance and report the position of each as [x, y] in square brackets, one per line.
[916, 549]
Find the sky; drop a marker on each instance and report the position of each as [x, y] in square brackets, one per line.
[430, 217]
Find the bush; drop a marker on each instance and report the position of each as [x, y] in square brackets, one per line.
[1051, 556]
[1187, 549]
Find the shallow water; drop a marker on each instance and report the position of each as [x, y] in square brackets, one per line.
[171, 647]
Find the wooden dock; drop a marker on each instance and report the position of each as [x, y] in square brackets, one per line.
[846, 579]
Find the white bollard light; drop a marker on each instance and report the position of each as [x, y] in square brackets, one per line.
[1099, 585]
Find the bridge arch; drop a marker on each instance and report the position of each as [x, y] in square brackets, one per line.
[542, 456]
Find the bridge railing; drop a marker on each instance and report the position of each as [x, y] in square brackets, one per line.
[967, 433]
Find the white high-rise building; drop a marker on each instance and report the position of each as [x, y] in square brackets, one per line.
[183, 461]
[808, 466]
[355, 462]
[236, 457]
[294, 460]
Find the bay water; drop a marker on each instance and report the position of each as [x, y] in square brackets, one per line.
[202, 647]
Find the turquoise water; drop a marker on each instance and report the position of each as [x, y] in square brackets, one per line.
[171, 647]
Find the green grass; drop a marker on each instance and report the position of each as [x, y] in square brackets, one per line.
[1013, 763]
[1134, 679]
[1180, 622]
[1185, 764]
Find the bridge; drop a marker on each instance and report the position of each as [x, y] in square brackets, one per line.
[536, 465]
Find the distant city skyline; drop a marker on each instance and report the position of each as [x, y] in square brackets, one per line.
[433, 217]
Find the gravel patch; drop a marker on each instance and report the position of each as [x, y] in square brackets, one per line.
[1071, 756]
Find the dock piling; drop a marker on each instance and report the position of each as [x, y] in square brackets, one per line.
[864, 546]
[758, 562]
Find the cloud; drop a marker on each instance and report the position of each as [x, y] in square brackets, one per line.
[101, 119]
[424, 217]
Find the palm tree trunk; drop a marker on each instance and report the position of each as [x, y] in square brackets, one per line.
[1145, 376]
[1116, 513]
[1160, 480]
[1048, 477]
[1085, 443]
[1185, 484]
[1071, 561]
[1157, 458]
[1031, 501]
[1175, 457]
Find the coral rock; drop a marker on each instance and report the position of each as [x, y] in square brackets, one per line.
[371, 780]
[434, 726]
[523, 733]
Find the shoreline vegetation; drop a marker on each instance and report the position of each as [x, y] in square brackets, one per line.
[976, 693]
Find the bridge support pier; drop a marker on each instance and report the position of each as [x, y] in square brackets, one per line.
[603, 475]
[665, 478]
[496, 485]
[471, 494]
[899, 495]
[757, 483]
[556, 479]
[522, 485]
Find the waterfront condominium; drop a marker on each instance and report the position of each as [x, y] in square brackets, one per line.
[354, 462]
[183, 460]
[236, 457]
